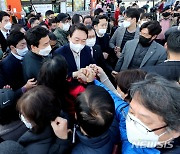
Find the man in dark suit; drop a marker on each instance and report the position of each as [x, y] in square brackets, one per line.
[39, 42]
[96, 52]
[170, 68]
[144, 51]
[5, 26]
[11, 66]
[100, 24]
[76, 53]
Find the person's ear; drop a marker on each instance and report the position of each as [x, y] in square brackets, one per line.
[154, 37]
[134, 20]
[165, 45]
[95, 27]
[12, 47]
[33, 48]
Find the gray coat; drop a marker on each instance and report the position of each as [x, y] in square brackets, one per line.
[118, 36]
[156, 54]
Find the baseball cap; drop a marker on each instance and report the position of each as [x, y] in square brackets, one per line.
[61, 17]
[6, 98]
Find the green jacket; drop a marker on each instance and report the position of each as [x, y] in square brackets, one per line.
[62, 36]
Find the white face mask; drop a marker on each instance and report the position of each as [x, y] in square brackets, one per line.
[45, 51]
[138, 135]
[120, 24]
[22, 52]
[126, 23]
[76, 47]
[66, 27]
[91, 42]
[8, 26]
[102, 31]
[27, 124]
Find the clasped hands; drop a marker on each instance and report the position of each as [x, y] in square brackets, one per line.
[88, 74]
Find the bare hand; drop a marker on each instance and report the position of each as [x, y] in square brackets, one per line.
[98, 70]
[7, 87]
[59, 126]
[105, 55]
[117, 49]
[30, 84]
[114, 73]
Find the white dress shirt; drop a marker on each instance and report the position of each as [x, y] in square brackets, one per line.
[77, 58]
[5, 34]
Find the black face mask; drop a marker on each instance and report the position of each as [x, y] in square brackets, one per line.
[166, 14]
[144, 41]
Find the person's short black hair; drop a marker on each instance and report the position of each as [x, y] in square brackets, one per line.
[160, 96]
[49, 12]
[34, 34]
[52, 21]
[95, 110]
[16, 28]
[153, 27]
[3, 14]
[79, 26]
[32, 20]
[98, 11]
[133, 13]
[141, 10]
[99, 17]
[43, 24]
[53, 74]
[173, 42]
[125, 78]
[30, 16]
[147, 16]
[40, 106]
[52, 36]
[76, 18]
[86, 17]
[14, 38]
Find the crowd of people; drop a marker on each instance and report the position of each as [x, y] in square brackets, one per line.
[91, 84]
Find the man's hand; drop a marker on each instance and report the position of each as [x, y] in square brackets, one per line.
[117, 49]
[31, 83]
[98, 70]
[114, 73]
[105, 55]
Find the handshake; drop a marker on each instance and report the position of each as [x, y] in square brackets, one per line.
[88, 74]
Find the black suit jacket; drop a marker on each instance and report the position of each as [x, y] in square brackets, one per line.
[85, 57]
[103, 42]
[12, 71]
[99, 59]
[170, 70]
[31, 65]
[3, 42]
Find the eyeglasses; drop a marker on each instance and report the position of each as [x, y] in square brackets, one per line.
[141, 127]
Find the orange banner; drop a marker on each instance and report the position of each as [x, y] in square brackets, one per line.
[15, 6]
